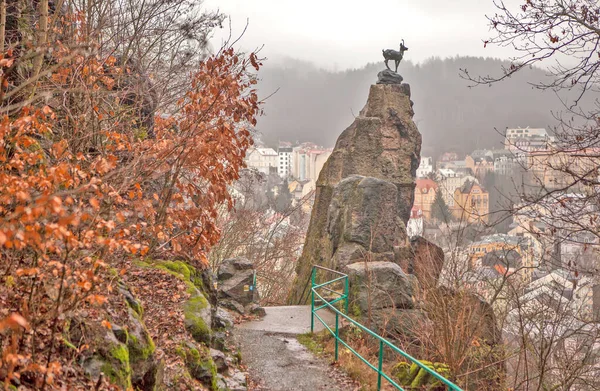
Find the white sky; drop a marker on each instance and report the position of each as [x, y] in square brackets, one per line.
[340, 34]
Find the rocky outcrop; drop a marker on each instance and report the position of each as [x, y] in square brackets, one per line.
[236, 286]
[125, 354]
[365, 190]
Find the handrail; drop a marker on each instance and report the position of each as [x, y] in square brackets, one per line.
[382, 341]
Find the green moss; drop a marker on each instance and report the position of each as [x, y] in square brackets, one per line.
[142, 264]
[401, 371]
[119, 371]
[113, 272]
[309, 340]
[421, 379]
[412, 375]
[139, 351]
[195, 324]
[178, 267]
[201, 365]
[136, 306]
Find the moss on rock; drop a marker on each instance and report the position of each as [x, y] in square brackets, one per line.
[116, 367]
[178, 267]
[200, 365]
[415, 377]
[193, 310]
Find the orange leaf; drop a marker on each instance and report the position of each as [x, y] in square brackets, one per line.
[94, 202]
[107, 324]
[14, 321]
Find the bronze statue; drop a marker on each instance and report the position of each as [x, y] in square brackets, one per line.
[395, 55]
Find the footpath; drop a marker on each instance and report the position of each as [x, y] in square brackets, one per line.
[275, 359]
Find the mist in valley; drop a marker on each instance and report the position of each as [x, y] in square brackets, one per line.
[307, 103]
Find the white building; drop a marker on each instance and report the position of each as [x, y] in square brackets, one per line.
[308, 160]
[448, 181]
[414, 226]
[285, 155]
[527, 139]
[264, 160]
[426, 167]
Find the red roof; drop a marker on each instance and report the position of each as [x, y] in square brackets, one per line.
[426, 184]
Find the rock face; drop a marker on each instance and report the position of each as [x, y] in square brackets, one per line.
[381, 285]
[358, 226]
[365, 190]
[236, 289]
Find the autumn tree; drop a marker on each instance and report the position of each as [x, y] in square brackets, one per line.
[84, 190]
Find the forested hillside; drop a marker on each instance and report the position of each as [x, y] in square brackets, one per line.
[311, 104]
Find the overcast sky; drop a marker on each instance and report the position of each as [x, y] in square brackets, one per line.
[340, 34]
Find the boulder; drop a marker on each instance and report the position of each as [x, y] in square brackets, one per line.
[222, 319]
[380, 285]
[235, 283]
[229, 267]
[255, 309]
[237, 381]
[404, 325]
[219, 359]
[426, 262]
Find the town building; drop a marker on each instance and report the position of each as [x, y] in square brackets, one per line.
[424, 196]
[264, 160]
[448, 181]
[308, 160]
[506, 254]
[415, 226]
[480, 165]
[527, 139]
[285, 153]
[471, 203]
[505, 162]
[425, 167]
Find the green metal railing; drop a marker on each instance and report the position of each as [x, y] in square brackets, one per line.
[383, 343]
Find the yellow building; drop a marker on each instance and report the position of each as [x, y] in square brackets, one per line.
[480, 166]
[424, 196]
[471, 203]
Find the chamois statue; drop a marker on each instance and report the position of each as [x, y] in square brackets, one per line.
[395, 55]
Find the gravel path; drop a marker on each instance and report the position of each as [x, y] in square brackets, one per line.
[280, 363]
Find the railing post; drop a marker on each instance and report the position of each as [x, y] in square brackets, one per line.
[347, 294]
[337, 335]
[380, 367]
[312, 300]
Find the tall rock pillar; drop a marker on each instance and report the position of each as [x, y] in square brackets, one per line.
[365, 190]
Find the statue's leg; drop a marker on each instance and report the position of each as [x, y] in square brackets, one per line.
[397, 63]
[386, 64]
